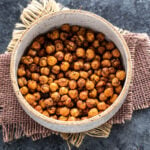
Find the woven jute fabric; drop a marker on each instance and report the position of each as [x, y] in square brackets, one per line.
[16, 123]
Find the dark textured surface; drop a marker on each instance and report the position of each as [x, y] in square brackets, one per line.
[133, 15]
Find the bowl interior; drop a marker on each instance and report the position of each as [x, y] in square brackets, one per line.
[73, 17]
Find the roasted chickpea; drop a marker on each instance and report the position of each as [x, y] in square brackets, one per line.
[89, 85]
[24, 90]
[74, 112]
[111, 76]
[73, 94]
[74, 75]
[50, 49]
[63, 82]
[115, 63]
[65, 27]
[48, 102]
[83, 74]
[75, 28]
[51, 60]
[64, 66]
[118, 89]
[87, 66]
[55, 96]
[91, 103]
[63, 90]
[80, 52]
[90, 36]
[68, 57]
[108, 92]
[90, 54]
[108, 84]
[100, 37]
[105, 72]
[78, 65]
[63, 118]
[35, 76]
[93, 93]
[22, 81]
[55, 69]
[36, 60]
[110, 46]
[115, 82]
[59, 55]
[113, 98]
[97, 57]
[38, 108]
[72, 84]
[64, 111]
[32, 84]
[105, 63]
[27, 60]
[95, 44]
[54, 35]
[37, 96]
[54, 117]
[36, 45]
[45, 113]
[51, 110]
[21, 72]
[95, 64]
[63, 36]
[101, 50]
[71, 118]
[42, 104]
[107, 55]
[120, 74]
[81, 83]
[92, 112]
[30, 98]
[45, 71]
[112, 70]
[67, 74]
[71, 46]
[43, 61]
[53, 87]
[33, 67]
[44, 88]
[41, 52]
[60, 75]
[83, 95]
[94, 78]
[81, 105]
[102, 97]
[81, 31]
[31, 53]
[101, 106]
[115, 53]
[40, 39]
[43, 79]
[98, 72]
[59, 46]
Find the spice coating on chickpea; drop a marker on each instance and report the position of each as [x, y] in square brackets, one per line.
[71, 73]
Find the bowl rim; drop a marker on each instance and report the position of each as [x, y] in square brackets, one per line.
[119, 100]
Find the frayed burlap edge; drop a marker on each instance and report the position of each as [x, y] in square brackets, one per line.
[35, 10]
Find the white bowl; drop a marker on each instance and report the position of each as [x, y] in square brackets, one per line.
[74, 17]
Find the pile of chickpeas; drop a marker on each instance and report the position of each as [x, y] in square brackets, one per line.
[71, 73]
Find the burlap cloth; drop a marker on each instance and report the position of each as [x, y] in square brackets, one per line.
[16, 123]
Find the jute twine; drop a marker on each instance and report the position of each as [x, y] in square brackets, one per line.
[136, 42]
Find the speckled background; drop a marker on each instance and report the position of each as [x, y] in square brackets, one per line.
[133, 15]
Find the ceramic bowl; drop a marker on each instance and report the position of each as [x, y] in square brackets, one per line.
[74, 17]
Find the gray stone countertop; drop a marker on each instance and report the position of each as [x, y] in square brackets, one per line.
[133, 15]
